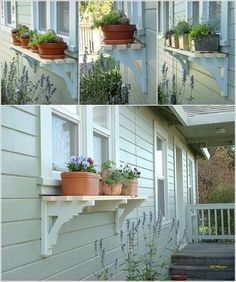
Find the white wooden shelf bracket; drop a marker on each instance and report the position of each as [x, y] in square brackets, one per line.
[57, 210]
[215, 63]
[66, 68]
[132, 56]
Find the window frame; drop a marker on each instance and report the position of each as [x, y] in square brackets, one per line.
[4, 15]
[48, 177]
[163, 135]
[204, 16]
[51, 21]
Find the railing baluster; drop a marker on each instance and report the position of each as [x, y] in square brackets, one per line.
[222, 221]
[203, 223]
[228, 215]
[209, 222]
[216, 225]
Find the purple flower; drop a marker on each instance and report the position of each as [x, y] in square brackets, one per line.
[90, 160]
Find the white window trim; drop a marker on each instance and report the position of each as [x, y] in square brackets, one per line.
[4, 13]
[51, 22]
[163, 135]
[190, 158]
[48, 179]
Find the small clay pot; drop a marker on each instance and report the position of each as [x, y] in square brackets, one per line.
[112, 190]
[25, 42]
[179, 277]
[16, 39]
[130, 189]
[35, 49]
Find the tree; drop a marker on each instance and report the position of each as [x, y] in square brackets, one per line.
[217, 173]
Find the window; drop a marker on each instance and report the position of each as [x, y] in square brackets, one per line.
[163, 16]
[8, 13]
[190, 181]
[215, 14]
[195, 14]
[160, 172]
[101, 135]
[60, 16]
[63, 18]
[64, 141]
[42, 25]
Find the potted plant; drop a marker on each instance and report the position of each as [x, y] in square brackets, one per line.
[116, 28]
[16, 32]
[34, 41]
[113, 182]
[175, 40]
[81, 179]
[167, 37]
[183, 29]
[51, 46]
[131, 184]
[203, 38]
[25, 39]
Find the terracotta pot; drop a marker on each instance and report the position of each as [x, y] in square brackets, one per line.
[112, 190]
[16, 39]
[35, 49]
[118, 33]
[184, 42]
[100, 187]
[25, 42]
[79, 183]
[179, 277]
[131, 188]
[52, 50]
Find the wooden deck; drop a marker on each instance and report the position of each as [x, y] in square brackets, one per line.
[205, 261]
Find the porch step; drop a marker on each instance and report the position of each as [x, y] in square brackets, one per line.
[205, 261]
[200, 272]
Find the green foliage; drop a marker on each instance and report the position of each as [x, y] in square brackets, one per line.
[129, 172]
[20, 28]
[111, 18]
[182, 27]
[17, 88]
[222, 194]
[48, 37]
[114, 177]
[95, 8]
[33, 39]
[200, 30]
[101, 83]
[107, 165]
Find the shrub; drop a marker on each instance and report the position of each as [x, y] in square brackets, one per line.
[101, 83]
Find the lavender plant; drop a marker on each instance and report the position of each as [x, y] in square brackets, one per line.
[143, 260]
[18, 88]
[101, 82]
[173, 93]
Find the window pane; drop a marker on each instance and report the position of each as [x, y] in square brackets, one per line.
[215, 14]
[195, 12]
[64, 142]
[42, 15]
[63, 18]
[100, 150]
[9, 18]
[167, 15]
[159, 157]
[161, 197]
[159, 16]
[100, 116]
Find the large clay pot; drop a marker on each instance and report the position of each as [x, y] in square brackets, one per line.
[52, 50]
[16, 38]
[79, 183]
[25, 42]
[179, 277]
[118, 33]
[112, 190]
[131, 188]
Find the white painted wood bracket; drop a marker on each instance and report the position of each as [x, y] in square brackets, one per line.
[132, 56]
[65, 68]
[57, 210]
[215, 63]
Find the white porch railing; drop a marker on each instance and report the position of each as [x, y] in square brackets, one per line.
[89, 38]
[210, 221]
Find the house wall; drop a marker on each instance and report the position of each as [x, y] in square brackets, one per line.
[206, 90]
[24, 16]
[73, 255]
